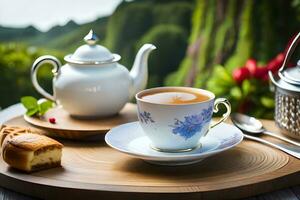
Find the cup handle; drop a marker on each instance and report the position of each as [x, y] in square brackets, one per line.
[36, 65]
[226, 103]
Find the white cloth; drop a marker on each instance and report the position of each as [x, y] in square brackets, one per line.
[11, 112]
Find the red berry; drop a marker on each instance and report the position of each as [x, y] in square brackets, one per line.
[280, 58]
[265, 78]
[251, 65]
[52, 120]
[260, 72]
[276, 62]
[273, 65]
[240, 74]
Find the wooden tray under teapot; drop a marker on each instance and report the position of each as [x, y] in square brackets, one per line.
[73, 128]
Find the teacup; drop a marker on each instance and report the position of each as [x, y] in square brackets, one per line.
[177, 126]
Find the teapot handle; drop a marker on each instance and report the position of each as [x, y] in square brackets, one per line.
[289, 53]
[34, 69]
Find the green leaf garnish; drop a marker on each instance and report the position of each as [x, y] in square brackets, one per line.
[35, 107]
[44, 106]
[29, 102]
[32, 112]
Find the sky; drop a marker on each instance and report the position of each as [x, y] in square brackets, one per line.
[44, 14]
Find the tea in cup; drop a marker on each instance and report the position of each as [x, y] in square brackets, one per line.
[175, 118]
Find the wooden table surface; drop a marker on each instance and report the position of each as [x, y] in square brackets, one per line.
[292, 193]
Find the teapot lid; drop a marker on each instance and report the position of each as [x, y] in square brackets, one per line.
[291, 75]
[287, 80]
[92, 53]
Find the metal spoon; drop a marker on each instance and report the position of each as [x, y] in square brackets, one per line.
[254, 127]
[293, 151]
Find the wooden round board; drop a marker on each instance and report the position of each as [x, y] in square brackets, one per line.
[92, 170]
[74, 128]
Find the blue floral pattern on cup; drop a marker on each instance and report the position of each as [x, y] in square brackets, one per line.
[191, 124]
[145, 117]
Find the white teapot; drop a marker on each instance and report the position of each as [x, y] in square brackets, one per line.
[92, 83]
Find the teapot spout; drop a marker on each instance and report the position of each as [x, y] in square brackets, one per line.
[139, 70]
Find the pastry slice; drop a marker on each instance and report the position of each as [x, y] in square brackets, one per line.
[31, 152]
[14, 131]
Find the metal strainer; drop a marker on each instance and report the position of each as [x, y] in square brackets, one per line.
[287, 95]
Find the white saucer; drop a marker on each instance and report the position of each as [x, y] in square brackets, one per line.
[130, 139]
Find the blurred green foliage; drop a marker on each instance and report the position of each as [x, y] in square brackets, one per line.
[15, 63]
[224, 35]
[164, 23]
[230, 32]
[166, 38]
[182, 12]
[126, 26]
[252, 96]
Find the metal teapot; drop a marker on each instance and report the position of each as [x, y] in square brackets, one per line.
[287, 95]
[92, 83]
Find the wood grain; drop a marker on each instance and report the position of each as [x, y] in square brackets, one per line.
[74, 128]
[93, 170]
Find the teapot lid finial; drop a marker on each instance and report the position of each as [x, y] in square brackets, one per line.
[91, 38]
[92, 53]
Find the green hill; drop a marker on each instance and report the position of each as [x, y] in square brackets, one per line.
[69, 36]
[65, 38]
[17, 34]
